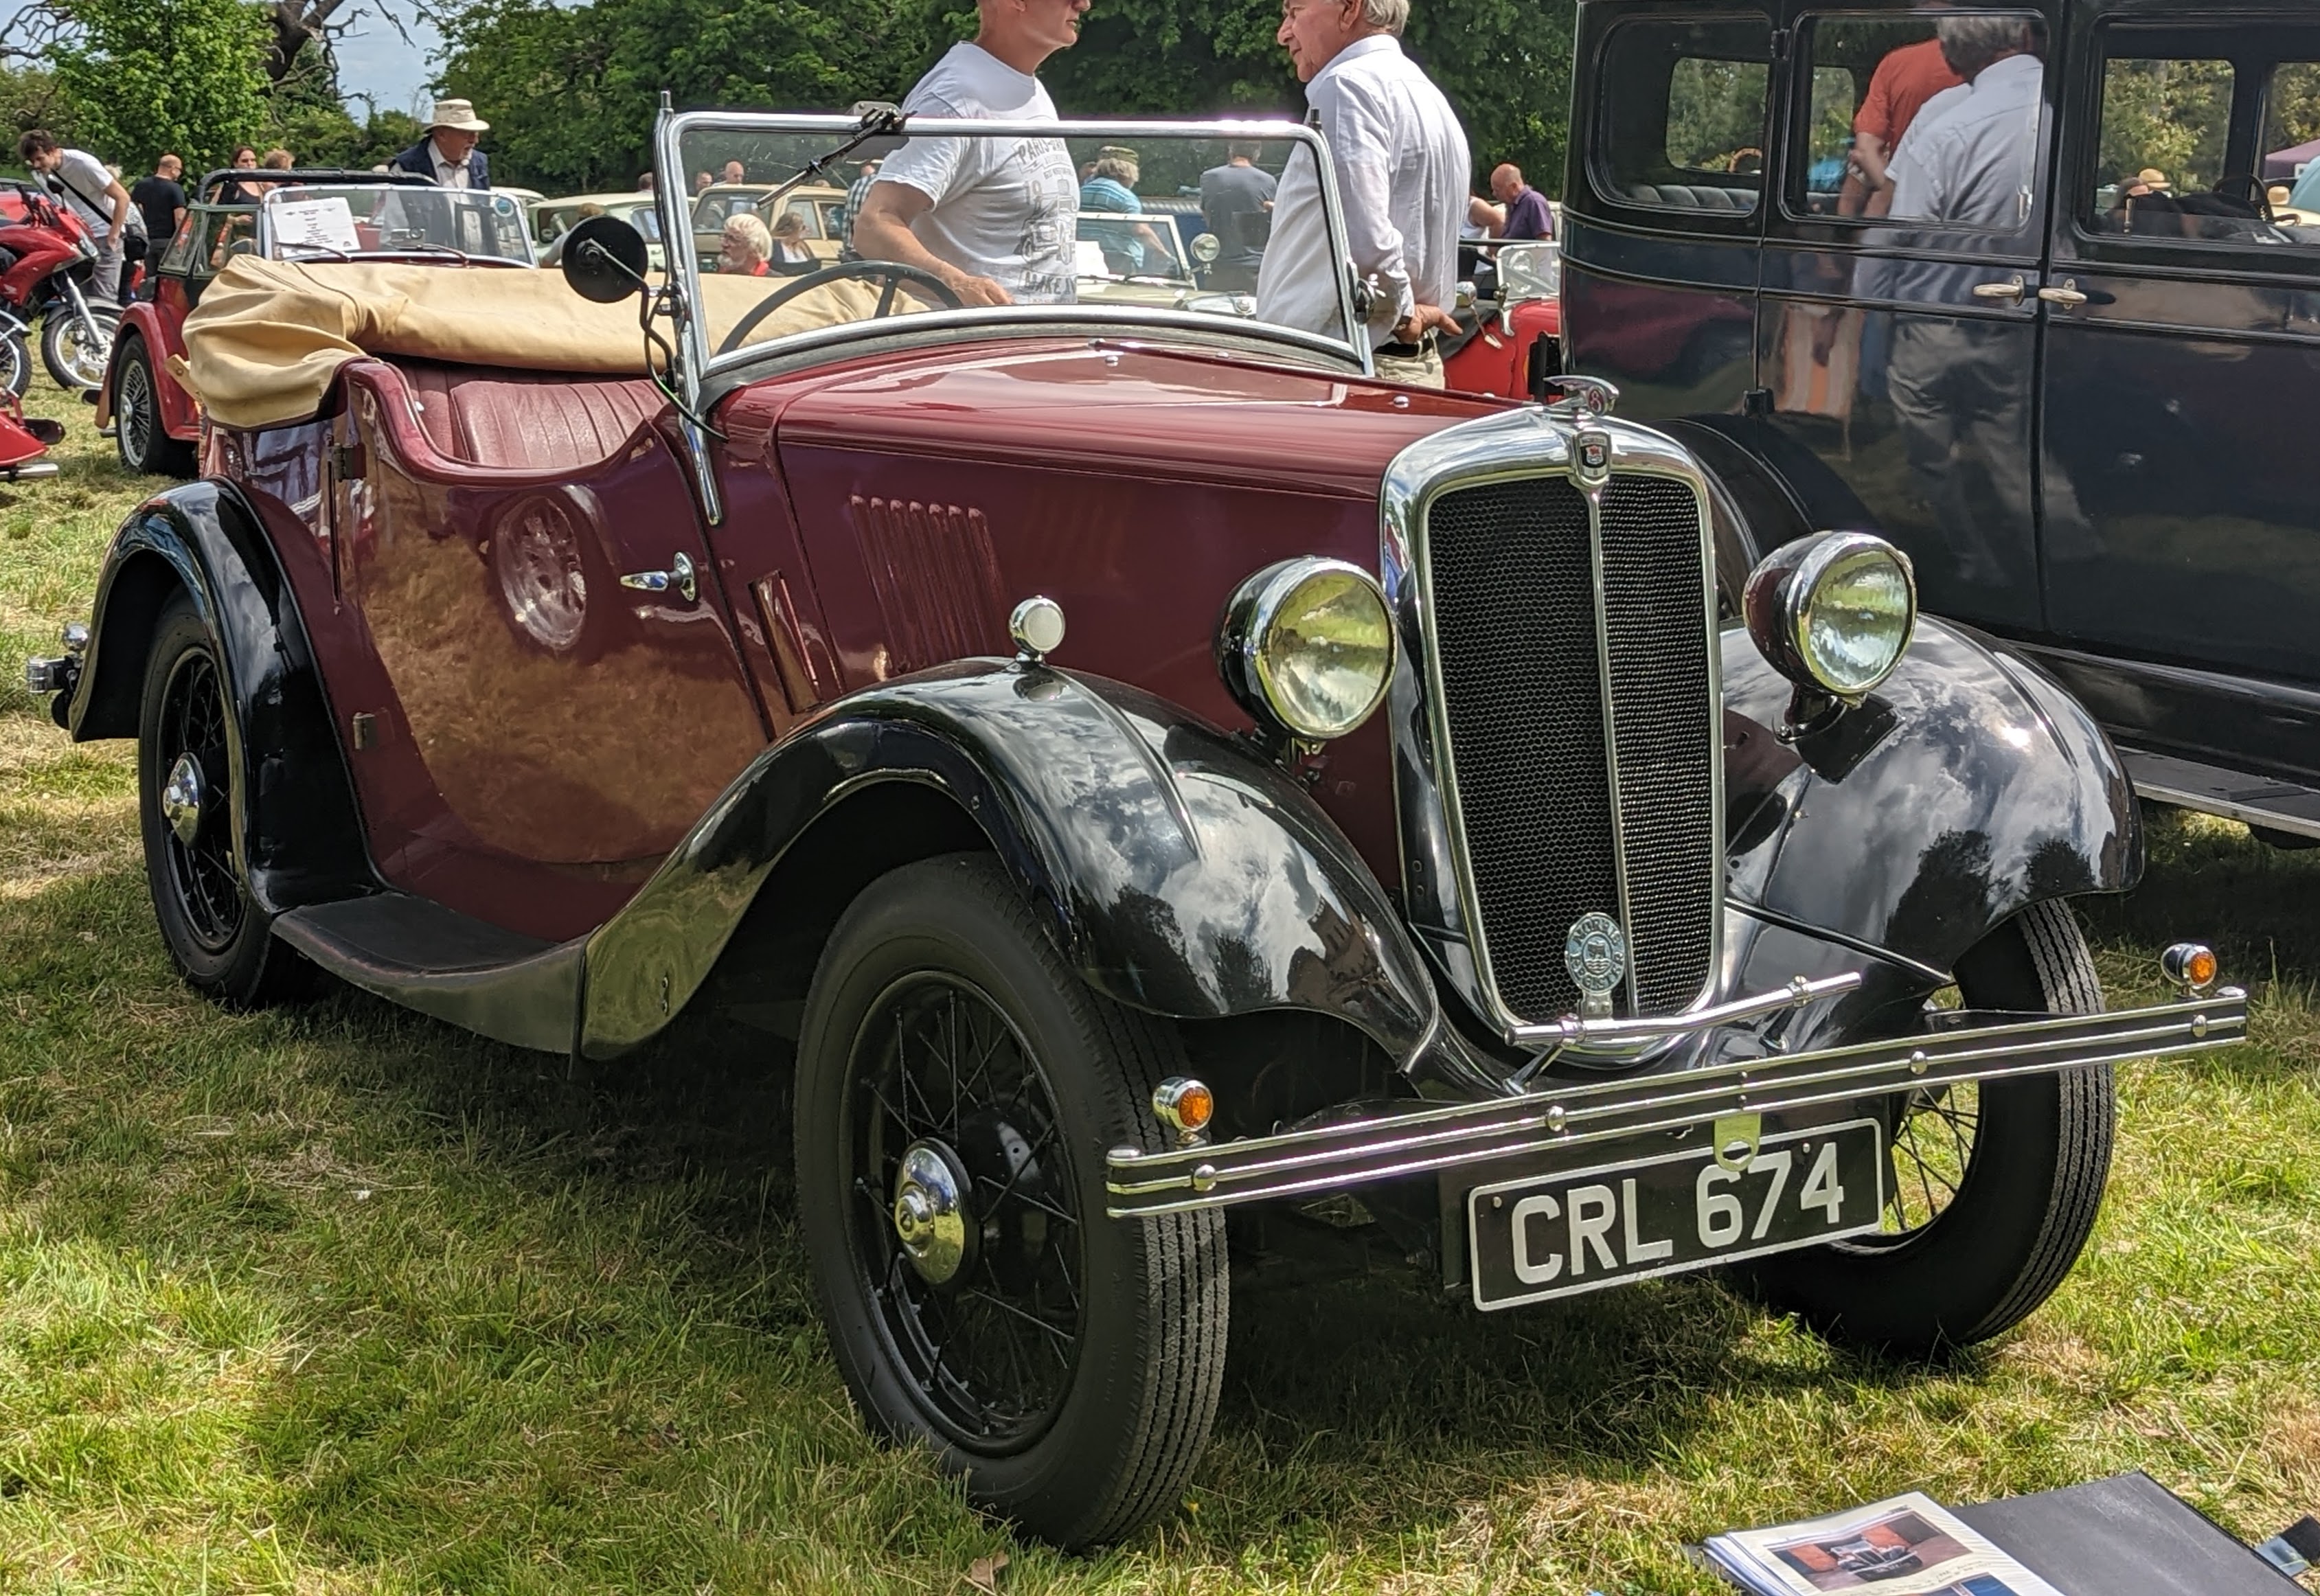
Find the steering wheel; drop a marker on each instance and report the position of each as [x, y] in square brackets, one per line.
[2258, 192]
[894, 272]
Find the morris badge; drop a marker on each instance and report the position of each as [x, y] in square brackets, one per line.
[1595, 952]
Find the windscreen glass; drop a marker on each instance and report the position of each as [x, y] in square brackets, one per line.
[792, 232]
[395, 220]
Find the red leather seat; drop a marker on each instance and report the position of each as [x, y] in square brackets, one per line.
[528, 421]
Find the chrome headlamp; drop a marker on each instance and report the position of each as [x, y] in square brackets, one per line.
[1833, 612]
[1307, 647]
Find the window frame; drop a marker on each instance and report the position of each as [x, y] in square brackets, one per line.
[1794, 155]
[1604, 184]
[2185, 35]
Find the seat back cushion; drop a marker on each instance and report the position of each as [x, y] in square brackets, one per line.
[527, 421]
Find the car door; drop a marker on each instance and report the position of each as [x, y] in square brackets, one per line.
[562, 694]
[1898, 324]
[2181, 377]
[1660, 241]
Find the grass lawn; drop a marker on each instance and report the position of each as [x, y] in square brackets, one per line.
[338, 1299]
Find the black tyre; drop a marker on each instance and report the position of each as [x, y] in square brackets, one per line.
[188, 764]
[76, 355]
[1066, 1364]
[146, 448]
[16, 365]
[1997, 1185]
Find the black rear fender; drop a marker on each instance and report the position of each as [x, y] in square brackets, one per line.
[297, 828]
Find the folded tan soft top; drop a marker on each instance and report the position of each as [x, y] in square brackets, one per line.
[268, 336]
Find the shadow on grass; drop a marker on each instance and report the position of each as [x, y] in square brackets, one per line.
[538, 1312]
[2209, 881]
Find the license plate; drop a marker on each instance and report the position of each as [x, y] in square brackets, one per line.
[1557, 1236]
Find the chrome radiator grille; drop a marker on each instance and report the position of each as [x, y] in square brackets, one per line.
[1552, 830]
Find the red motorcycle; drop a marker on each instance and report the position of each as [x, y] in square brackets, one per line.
[46, 256]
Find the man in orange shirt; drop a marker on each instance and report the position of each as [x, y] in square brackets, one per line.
[1904, 82]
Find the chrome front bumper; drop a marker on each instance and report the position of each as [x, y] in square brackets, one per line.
[1344, 1156]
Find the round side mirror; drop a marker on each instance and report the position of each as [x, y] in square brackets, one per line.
[605, 259]
[1205, 248]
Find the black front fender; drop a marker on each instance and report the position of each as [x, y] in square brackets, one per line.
[1968, 787]
[296, 830]
[1179, 873]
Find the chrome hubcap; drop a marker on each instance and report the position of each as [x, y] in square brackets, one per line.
[931, 1217]
[181, 799]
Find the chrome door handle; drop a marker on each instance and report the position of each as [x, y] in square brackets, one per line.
[2067, 295]
[2011, 291]
[679, 577]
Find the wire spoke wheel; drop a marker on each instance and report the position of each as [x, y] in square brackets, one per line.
[75, 351]
[1932, 1144]
[133, 411]
[958, 1083]
[947, 1101]
[200, 848]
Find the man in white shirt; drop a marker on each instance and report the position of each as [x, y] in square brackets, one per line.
[96, 196]
[996, 218]
[1403, 170]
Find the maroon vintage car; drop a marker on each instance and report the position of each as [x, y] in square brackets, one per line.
[1143, 769]
[155, 422]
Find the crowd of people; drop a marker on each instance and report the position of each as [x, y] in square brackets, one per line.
[996, 220]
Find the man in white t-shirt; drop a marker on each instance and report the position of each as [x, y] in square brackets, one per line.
[996, 218]
[96, 196]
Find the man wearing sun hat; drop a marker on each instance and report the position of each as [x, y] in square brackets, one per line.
[447, 154]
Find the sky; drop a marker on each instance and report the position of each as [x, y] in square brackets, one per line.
[374, 60]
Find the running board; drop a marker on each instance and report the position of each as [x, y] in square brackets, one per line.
[2253, 800]
[500, 984]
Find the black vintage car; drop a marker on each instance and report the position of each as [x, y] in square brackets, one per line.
[2018, 287]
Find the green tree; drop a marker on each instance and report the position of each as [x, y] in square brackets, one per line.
[571, 94]
[148, 75]
[1504, 66]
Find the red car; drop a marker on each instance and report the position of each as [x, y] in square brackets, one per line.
[1139, 769]
[155, 423]
[1515, 345]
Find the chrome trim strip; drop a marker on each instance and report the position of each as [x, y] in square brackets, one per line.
[1592, 491]
[1443, 900]
[1573, 1032]
[1342, 1157]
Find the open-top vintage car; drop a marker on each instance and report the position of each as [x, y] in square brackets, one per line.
[394, 216]
[1149, 769]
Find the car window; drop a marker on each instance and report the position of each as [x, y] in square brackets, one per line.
[2291, 138]
[2160, 160]
[191, 243]
[1934, 117]
[1683, 107]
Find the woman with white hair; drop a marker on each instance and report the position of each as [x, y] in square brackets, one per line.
[743, 247]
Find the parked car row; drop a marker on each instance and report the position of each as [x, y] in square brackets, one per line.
[1144, 768]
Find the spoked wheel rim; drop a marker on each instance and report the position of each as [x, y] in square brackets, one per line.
[85, 356]
[196, 803]
[1934, 1138]
[966, 1221]
[133, 409]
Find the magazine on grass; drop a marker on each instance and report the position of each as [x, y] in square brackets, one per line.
[1905, 1545]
